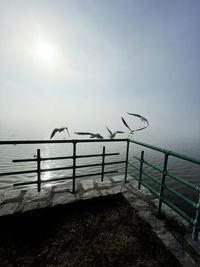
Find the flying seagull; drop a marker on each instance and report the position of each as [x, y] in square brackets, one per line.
[112, 134]
[131, 131]
[59, 130]
[92, 135]
[143, 119]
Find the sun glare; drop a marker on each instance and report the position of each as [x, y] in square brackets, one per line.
[45, 51]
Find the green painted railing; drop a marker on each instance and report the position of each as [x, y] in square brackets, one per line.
[162, 185]
[38, 159]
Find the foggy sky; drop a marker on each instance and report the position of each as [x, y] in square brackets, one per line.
[109, 57]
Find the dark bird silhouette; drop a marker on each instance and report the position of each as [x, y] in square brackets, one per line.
[143, 119]
[131, 131]
[59, 130]
[92, 135]
[112, 134]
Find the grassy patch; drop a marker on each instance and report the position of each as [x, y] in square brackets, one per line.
[102, 232]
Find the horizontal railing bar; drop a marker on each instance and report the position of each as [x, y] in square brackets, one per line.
[100, 164]
[115, 162]
[97, 155]
[132, 165]
[43, 181]
[175, 208]
[20, 142]
[146, 185]
[56, 158]
[172, 153]
[56, 169]
[135, 176]
[23, 160]
[19, 172]
[181, 196]
[66, 157]
[154, 167]
[170, 175]
[145, 173]
[149, 164]
[57, 179]
[25, 183]
[151, 177]
[80, 156]
[183, 182]
[149, 146]
[99, 173]
[63, 178]
[179, 211]
[184, 157]
[150, 188]
[62, 168]
[82, 166]
[89, 165]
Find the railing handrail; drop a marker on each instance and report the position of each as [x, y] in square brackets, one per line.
[169, 152]
[18, 142]
[163, 186]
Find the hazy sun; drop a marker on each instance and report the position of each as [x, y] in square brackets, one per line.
[45, 51]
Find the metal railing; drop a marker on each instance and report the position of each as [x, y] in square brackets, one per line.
[38, 159]
[162, 184]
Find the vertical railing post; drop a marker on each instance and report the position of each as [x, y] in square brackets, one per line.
[38, 170]
[103, 162]
[74, 167]
[162, 185]
[126, 166]
[141, 169]
[195, 231]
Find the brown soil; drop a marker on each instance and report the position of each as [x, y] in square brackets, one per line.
[102, 232]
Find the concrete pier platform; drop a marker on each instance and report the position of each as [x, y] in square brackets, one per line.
[172, 230]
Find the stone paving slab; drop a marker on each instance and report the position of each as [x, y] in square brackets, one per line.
[62, 187]
[87, 184]
[103, 184]
[119, 178]
[33, 194]
[91, 194]
[8, 208]
[11, 196]
[63, 198]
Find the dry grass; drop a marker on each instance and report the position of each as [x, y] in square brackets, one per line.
[104, 232]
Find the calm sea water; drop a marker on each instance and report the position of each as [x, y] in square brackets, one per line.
[181, 168]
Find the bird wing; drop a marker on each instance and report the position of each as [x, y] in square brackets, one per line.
[109, 130]
[139, 116]
[83, 133]
[125, 123]
[54, 132]
[139, 129]
[67, 131]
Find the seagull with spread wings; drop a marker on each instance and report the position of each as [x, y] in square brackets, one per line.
[59, 130]
[92, 135]
[143, 119]
[112, 134]
[131, 131]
